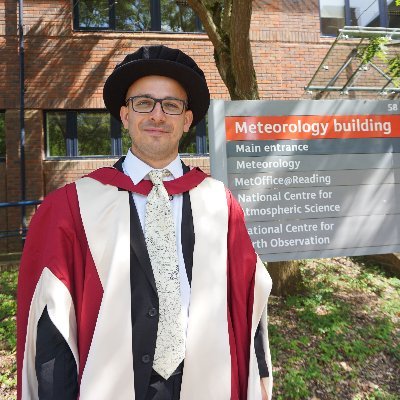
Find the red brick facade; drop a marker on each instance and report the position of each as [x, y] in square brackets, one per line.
[66, 69]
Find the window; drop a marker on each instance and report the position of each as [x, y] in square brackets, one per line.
[195, 141]
[332, 14]
[2, 135]
[82, 133]
[136, 15]
[335, 14]
[56, 134]
[393, 14]
[96, 133]
[364, 13]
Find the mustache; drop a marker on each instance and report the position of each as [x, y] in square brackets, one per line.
[151, 125]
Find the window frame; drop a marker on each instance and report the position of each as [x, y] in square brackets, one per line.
[155, 20]
[72, 135]
[116, 134]
[383, 15]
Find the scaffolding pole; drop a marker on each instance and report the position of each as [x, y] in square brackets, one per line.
[360, 33]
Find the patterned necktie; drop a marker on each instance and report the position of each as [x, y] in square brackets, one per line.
[161, 245]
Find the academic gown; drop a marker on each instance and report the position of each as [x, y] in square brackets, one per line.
[86, 273]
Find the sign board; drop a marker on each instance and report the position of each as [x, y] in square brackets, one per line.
[315, 178]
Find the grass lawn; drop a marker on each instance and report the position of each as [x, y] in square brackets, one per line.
[8, 308]
[339, 339]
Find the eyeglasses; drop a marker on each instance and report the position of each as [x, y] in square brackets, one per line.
[146, 104]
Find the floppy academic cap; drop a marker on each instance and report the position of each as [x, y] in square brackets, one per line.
[158, 60]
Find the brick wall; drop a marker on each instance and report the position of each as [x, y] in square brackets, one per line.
[72, 66]
[287, 46]
[66, 70]
[12, 166]
[33, 169]
[3, 215]
[13, 183]
[59, 173]
[9, 67]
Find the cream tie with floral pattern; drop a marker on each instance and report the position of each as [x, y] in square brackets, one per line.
[161, 246]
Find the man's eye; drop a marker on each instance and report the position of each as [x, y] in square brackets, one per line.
[171, 105]
[143, 103]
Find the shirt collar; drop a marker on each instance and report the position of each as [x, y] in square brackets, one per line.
[138, 170]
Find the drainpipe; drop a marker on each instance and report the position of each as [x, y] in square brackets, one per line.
[22, 113]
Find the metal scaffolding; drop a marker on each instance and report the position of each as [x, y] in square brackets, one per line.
[344, 56]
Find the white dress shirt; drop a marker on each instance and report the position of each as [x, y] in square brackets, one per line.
[137, 170]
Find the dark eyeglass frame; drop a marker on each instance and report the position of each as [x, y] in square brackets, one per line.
[184, 103]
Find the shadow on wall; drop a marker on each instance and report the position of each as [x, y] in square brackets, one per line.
[64, 70]
[61, 172]
[9, 58]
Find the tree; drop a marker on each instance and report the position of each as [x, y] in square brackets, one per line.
[227, 23]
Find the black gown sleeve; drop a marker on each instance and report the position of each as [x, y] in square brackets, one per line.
[260, 354]
[54, 363]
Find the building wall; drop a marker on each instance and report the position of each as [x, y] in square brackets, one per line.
[65, 69]
[3, 214]
[58, 173]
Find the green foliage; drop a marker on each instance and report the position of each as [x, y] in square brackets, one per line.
[394, 68]
[8, 308]
[8, 380]
[93, 133]
[334, 339]
[176, 16]
[135, 15]
[331, 340]
[126, 140]
[188, 142]
[93, 129]
[56, 129]
[132, 15]
[295, 384]
[93, 13]
[377, 394]
[376, 47]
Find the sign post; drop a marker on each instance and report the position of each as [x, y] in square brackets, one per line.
[314, 178]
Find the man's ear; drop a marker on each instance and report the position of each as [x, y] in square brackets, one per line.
[124, 114]
[188, 120]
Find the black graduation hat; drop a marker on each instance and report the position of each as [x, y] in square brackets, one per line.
[158, 60]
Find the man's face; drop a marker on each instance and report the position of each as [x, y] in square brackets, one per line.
[155, 135]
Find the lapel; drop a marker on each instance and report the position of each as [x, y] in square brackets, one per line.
[138, 243]
[187, 231]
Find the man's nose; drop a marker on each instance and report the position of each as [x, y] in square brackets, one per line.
[158, 114]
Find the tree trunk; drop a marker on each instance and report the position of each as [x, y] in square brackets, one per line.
[227, 23]
[286, 277]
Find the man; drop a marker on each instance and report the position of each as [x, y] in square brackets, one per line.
[140, 281]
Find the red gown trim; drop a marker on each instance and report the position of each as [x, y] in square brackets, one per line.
[111, 176]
